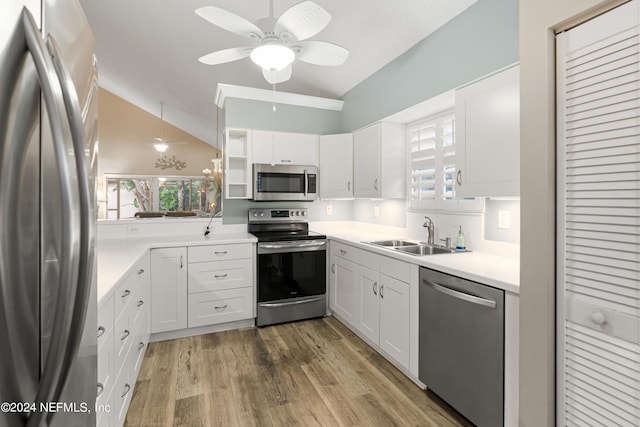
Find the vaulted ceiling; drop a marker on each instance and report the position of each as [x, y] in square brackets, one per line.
[148, 50]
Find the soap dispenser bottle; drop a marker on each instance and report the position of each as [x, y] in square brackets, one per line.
[460, 244]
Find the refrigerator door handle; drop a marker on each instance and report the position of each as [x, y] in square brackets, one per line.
[84, 199]
[56, 364]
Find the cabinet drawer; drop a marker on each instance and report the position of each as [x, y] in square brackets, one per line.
[395, 268]
[368, 259]
[208, 308]
[106, 366]
[220, 252]
[105, 321]
[344, 251]
[122, 338]
[218, 275]
[121, 396]
[136, 278]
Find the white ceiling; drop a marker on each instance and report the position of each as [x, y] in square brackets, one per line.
[148, 50]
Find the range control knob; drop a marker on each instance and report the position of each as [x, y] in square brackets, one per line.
[304, 213]
[261, 214]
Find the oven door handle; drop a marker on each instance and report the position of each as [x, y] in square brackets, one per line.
[287, 303]
[299, 246]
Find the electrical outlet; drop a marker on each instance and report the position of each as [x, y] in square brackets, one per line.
[504, 220]
[329, 209]
[376, 211]
[132, 229]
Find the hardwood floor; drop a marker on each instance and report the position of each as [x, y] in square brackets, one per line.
[310, 373]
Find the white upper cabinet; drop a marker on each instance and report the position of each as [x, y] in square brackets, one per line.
[379, 165]
[488, 136]
[336, 166]
[284, 148]
[237, 154]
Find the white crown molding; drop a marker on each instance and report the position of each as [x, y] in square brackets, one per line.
[224, 91]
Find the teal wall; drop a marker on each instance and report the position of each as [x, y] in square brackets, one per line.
[482, 39]
[243, 113]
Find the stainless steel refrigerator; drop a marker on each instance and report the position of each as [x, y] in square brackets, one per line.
[48, 149]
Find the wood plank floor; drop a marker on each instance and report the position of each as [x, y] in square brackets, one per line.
[311, 373]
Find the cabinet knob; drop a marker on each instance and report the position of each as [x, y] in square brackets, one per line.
[598, 318]
[343, 252]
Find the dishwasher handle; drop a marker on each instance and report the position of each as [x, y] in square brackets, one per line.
[461, 295]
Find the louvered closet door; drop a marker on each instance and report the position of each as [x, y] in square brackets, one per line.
[598, 233]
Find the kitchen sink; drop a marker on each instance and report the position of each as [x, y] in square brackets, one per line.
[425, 250]
[413, 248]
[392, 243]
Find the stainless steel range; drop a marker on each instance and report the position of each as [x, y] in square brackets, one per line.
[291, 266]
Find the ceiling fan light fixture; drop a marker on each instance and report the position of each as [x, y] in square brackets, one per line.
[160, 147]
[272, 57]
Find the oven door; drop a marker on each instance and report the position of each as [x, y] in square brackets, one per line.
[293, 269]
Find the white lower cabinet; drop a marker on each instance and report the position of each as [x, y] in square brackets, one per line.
[369, 300]
[168, 289]
[123, 336]
[343, 292]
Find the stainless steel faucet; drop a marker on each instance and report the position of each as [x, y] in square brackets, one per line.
[428, 224]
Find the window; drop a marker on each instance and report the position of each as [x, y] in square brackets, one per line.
[130, 197]
[432, 165]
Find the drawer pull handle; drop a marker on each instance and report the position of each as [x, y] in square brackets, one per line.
[140, 303]
[140, 346]
[381, 289]
[220, 253]
[100, 389]
[181, 261]
[221, 307]
[141, 271]
[459, 177]
[375, 288]
[343, 252]
[125, 335]
[333, 268]
[375, 184]
[127, 389]
[598, 318]
[220, 276]
[126, 293]
[101, 331]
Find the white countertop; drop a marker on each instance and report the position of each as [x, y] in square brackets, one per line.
[117, 256]
[497, 271]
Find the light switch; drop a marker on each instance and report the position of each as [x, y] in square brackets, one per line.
[504, 220]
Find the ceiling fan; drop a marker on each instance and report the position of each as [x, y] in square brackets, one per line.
[160, 143]
[280, 41]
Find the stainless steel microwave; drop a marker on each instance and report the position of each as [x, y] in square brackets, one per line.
[284, 182]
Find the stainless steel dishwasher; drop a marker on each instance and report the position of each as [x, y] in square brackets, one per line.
[462, 345]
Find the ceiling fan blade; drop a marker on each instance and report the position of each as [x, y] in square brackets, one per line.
[275, 76]
[320, 53]
[225, 55]
[230, 22]
[302, 20]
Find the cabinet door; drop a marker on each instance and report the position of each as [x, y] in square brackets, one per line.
[344, 295]
[336, 166]
[394, 318]
[295, 149]
[366, 162]
[368, 296]
[168, 289]
[262, 147]
[488, 136]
